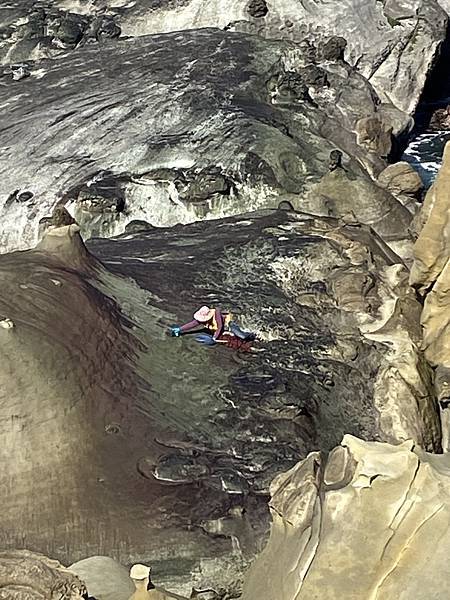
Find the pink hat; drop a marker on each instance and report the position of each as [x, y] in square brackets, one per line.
[204, 314]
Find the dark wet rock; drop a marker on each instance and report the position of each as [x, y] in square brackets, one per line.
[334, 49]
[24, 196]
[106, 28]
[440, 119]
[291, 88]
[70, 30]
[203, 185]
[285, 205]
[314, 76]
[137, 225]
[257, 8]
[203, 151]
[335, 160]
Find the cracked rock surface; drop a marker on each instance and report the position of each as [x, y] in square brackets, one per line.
[368, 522]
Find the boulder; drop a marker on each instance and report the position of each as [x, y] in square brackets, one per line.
[369, 521]
[105, 578]
[401, 179]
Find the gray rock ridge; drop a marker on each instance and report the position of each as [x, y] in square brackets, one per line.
[392, 43]
[101, 395]
[184, 126]
[360, 523]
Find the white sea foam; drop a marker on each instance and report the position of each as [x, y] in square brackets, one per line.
[424, 153]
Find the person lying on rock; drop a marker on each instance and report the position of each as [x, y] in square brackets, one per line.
[217, 322]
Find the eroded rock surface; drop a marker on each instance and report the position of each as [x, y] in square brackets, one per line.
[26, 575]
[430, 274]
[392, 43]
[179, 127]
[102, 395]
[361, 524]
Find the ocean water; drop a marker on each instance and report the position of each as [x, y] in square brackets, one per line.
[424, 153]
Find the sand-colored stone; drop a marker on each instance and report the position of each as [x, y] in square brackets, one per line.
[432, 249]
[401, 178]
[436, 321]
[381, 534]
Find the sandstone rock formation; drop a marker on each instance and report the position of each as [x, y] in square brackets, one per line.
[432, 251]
[369, 522]
[430, 274]
[102, 396]
[26, 575]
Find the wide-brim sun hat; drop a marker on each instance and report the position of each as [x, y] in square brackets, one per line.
[139, 572]
[204, 314]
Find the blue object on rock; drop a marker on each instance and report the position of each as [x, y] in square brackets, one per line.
[204, 338]
[175, 331]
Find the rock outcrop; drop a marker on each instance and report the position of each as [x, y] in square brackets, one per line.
[430, 274]
[184, 126]
[432, 250]
[100, 395]
[392, 43]
[369, 522]
[26, 575]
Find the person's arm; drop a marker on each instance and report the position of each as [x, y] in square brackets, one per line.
[188, 326]
[219, 321]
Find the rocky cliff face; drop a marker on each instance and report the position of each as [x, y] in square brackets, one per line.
[183, 126]
[391, 43]
[369, 521]
[430, 275]
[101, 395]
[203, 123]
[168, 132]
